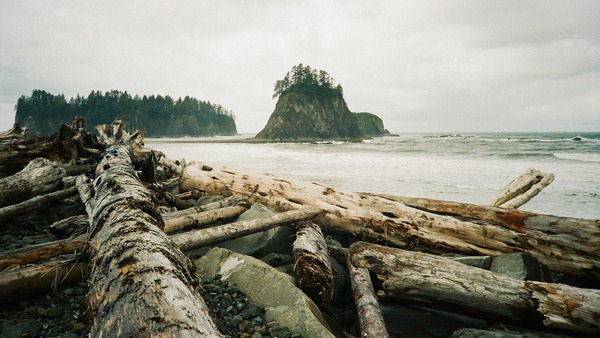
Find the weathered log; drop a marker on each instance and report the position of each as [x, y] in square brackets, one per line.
[40, 176]
[35, 203]
[26, 280]
[34, 254]
[522, 189]
[74, 225]
[69, 143]
[203, 237]
[226, 202]
[17, 131]
[312, 264]
[369, 313]
[141, 284]
[175, 201]
[570, 249]
[202, 218]
[441, 283]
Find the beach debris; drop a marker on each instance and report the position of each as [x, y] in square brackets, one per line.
[438, 282]
[522, 189]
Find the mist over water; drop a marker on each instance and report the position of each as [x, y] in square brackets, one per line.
[467, 168]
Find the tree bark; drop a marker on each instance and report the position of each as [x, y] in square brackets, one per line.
[141, 284]
[27, 280]
[202, 218]
[35, 203]
[312, 264]
[522, 189]
[34, 254]
[17, 131]
[74, 225]
[203, 237]
[571, 248]
[437, 282]
[370, 316]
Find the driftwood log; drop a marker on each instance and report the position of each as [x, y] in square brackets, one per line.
[35, 203]
[226, 202]
[369, 313]
[71, 142]
[202, 218]
[522, 189]
[570, 248]
[20, 281]
[70, 226]
[36, 253]
[437, 282]
[312, 264]
[141, 284]
[203, 237]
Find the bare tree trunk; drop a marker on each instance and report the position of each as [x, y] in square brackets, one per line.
[437, 282]
[370, 316]
[26, 280]
[35, 203]
[203, 237]
[522, 189]
[35, 253]
[141, 284]
[570, 248]
[313, 267]
[206, 217]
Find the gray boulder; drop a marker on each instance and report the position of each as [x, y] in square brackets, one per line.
[278, 240]
[522, 266]
[268, 288]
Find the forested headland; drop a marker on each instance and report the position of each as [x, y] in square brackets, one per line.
[43, 113]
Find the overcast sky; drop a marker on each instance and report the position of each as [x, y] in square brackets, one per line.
[439, 66]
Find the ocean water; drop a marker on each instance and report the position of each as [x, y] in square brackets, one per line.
[468, 168]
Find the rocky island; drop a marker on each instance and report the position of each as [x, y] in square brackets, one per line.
[311, 108]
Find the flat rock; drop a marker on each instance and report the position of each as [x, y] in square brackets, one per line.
[273, 290]
[482, 262]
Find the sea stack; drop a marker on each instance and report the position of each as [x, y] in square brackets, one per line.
[310, 108]
[370, 124]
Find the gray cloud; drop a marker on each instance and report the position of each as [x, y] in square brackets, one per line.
[420, 65]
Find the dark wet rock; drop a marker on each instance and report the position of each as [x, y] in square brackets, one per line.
[342, 293]
[275, 259]
[478, 333]
[55, 312]
[20, 328]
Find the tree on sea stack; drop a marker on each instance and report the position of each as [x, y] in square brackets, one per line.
[310, 107]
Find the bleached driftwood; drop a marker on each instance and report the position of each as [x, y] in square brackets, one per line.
[141, 284]
[203, 237]
[522, 189]
[438, 282]
[227, 202]
[312, 264]
[202, 218]
[566, 248]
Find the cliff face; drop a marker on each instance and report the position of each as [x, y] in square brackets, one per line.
[301, 117]
[370, 124]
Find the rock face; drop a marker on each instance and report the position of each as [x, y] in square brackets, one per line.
[370, 124]
[273, 290]
[302, 117]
